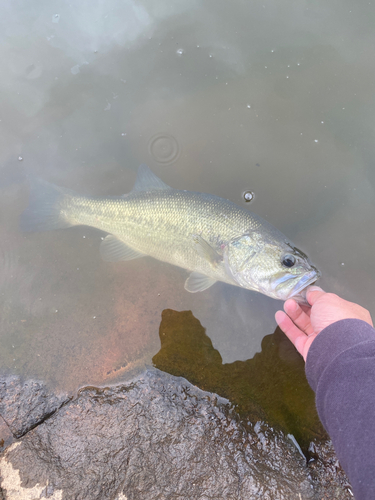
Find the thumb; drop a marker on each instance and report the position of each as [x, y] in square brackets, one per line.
[314, 293]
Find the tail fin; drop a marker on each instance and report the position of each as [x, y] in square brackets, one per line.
[47, 207]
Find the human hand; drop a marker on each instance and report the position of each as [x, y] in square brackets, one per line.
[301, 324]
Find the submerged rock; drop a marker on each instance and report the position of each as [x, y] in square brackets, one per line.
[272, 386]
[159, 437]
[23, 405]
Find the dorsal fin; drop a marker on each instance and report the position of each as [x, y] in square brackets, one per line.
[148, 181]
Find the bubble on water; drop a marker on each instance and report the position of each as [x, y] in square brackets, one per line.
[83, 236]
[180, 52]
[123, 134]
[56, 18]
[342, 263]
[272, 50]
[322, 121]
[164, 148]
[20, 158]
[210, 55]
[75, 69]
[94, 317]
[248, 196]
[316, 140]
[248, 106]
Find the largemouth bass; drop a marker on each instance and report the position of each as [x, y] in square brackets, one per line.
[209, 236]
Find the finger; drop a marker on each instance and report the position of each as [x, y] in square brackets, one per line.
[298, 316]
[313, 293]
[288, 327]
[306, 309]
[300, 341]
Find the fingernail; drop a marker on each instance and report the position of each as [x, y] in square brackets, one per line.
[314, 289]
[292, 305]
[279, 318]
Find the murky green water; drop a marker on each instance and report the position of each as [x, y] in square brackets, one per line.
[271, 386]
[274, 98]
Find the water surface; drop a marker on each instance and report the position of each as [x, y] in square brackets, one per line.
[274, 98]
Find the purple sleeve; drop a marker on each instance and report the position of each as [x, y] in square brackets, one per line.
[340, 368]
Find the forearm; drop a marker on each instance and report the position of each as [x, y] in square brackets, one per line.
[340, 368]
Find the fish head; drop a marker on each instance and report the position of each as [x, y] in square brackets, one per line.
[270, 266]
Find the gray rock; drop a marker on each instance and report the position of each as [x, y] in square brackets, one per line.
[159, 437]
[24, 405]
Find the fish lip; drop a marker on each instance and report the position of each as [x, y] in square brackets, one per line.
[305, 283]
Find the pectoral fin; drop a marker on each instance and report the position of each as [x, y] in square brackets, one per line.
[198, 282]
[206, 251]
[112, 250]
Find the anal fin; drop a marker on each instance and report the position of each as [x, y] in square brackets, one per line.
[198, 282]
[112, 250]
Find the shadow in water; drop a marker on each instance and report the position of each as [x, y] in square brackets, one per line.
[271, 386]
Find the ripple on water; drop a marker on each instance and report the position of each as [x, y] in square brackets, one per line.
[164, 148]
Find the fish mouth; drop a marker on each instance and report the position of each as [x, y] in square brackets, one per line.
[297, 291]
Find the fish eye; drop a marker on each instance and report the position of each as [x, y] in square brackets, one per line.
[288, 260]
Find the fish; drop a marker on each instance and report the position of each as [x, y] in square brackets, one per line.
[211, 237]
